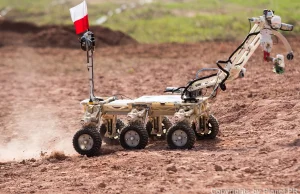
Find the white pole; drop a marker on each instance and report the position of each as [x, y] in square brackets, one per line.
[90, 64]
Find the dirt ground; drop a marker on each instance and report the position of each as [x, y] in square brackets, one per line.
[258, 147]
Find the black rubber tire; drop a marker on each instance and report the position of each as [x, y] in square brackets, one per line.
[107, 140]
[191, 137]
[140, 130]
[213, 126]
[95, 135]
[167, 124]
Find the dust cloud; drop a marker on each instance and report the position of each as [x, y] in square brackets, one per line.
[36, 133]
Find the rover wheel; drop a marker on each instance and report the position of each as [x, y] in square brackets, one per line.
[213, 129]
[133, 137]
[111, 141]
[87, 141]
[166, 125]
[181, 136]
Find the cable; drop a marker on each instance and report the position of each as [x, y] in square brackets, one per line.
[250, 26]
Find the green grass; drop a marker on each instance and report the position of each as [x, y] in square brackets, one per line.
[208, 19]
[171, 21]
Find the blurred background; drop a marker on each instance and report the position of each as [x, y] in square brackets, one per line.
[154, 21]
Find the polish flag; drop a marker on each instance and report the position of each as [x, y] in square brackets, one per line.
[80, 18]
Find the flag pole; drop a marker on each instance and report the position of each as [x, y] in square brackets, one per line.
[90, 45]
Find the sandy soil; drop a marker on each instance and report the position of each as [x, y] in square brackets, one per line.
[258, 146]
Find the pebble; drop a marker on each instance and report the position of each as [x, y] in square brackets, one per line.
[146, 173]
[102, 185]
[249, 170]
[218, 168]
[43, 169]
[55, 168]
[35, 164]
[171, 168]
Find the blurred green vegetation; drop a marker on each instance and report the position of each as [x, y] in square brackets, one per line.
[163, 21]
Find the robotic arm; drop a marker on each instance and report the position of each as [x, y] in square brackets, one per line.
[260, 34]
[270, 24]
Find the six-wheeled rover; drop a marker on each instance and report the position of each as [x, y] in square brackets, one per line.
[148, 116]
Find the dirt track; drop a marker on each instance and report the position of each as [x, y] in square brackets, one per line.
[258, 147]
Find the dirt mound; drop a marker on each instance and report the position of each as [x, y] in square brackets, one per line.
[28, 34]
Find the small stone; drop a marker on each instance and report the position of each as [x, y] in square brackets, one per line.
[43, 169]
[32, 160]
[229, 159]
[171, 168]
[249, 170]
[234, 168]
[35, 164]
[23, 162]
[218, 168]
[146, 173]
[102, 185]
[55, 168]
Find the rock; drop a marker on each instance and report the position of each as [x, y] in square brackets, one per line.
[32, 160]
[249, 170]
[43, 169]
[234, 168]
[36, 164]
[102, 185]
[171, 168]
[146, 173]
[218, 168]
[55, 168]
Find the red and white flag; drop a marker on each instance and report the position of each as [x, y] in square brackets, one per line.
[80, 18]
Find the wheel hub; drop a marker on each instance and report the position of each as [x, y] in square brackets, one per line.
[179, 138]
[85, 142]
[132, 138]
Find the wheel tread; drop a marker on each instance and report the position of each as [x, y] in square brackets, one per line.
[96, 138]
[190, 134]
[142, 133]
